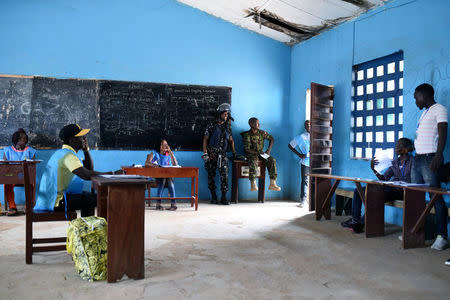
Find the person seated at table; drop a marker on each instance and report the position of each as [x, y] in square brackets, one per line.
[163, 157]
[399, 171]
[61, 187]
[17, 151]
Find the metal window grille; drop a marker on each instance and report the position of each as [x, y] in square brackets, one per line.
[377, 105]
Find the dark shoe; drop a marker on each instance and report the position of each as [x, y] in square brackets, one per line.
[213, 197]
[172, 207]
[159, 207]
[348, 223]
[12, 212]
[224, 200]
[357, 227]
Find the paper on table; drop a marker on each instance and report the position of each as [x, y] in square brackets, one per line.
[264, 155]
[178, 166]
[384, 160]
[124, 176]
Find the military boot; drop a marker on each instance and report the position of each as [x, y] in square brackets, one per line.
[213, 197]
[273, 185]
[224, 200]
[253, 186]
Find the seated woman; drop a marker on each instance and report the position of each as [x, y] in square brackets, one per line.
[400, 171]
[163, 157]
[18, 151]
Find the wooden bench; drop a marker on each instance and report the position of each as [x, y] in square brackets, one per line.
[343, 202]
[348, 193]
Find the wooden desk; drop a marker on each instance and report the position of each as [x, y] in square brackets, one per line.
[238, 172]
[414, 214]
[11, 172]
[182, 172]
[121, 202]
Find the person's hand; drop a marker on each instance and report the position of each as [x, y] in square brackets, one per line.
[205, 157]
[119, 172]
[373, 163]
[85, 144]
[268, 151]
[436, 162]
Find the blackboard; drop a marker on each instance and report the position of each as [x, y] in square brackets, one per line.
[58, 102]
[121, 114]
[137, 114]
[15, 106]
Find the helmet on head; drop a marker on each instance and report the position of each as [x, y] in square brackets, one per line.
[224, 107]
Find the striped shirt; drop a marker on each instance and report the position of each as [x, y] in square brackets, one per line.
[427, 130]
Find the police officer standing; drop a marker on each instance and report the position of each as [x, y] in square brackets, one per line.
[216, 141]
[253, 146]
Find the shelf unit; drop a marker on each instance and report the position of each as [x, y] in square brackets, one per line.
[321, 134]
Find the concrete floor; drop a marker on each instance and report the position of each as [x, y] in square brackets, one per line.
[274, 250]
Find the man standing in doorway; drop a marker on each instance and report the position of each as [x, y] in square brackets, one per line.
[253, 147]
[431, 135]
[216, 140]
[302, 142]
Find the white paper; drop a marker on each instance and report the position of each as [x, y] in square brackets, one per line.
[264, 155]
[124, 176]
[384, 160]
[171, 166]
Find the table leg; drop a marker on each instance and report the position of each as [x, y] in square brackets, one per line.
[125, 231]
[196, 192]
[261, 188]
[414, 205]
[322, 188]
[192, 191]
[102, 194]
[374, 210]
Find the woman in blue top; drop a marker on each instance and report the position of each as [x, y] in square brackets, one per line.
[18, 151]
[162, 158]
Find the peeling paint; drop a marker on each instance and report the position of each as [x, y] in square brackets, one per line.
[297, 32]
[360, 3]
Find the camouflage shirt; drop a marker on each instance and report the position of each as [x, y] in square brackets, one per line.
[255, 141]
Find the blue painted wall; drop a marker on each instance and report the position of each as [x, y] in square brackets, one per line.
[154, 41]
[419, 28]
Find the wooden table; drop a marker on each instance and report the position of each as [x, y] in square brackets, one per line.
[414, 214]
[121, 202]
[160, 172]
[238, 172]
[11, 172]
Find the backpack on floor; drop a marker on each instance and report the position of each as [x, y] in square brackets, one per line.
[87, 242]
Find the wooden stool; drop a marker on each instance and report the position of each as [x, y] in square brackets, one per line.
[240, 170]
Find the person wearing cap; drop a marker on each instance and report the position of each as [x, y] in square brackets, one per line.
[216, 140]
[253, 146]
[61, 186]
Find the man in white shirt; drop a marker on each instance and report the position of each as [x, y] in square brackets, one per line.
[302, 142]
[431, 135]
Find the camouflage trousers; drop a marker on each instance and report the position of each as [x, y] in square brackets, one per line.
[220, 162]
[269, 163]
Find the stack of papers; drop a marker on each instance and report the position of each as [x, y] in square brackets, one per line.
[402, 183]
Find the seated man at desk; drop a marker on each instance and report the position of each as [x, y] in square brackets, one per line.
[61, 186]
[253, 147]
[400, 170]
[17, 151]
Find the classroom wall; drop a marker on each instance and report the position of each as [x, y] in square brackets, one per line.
[154, 41]
[419, 28]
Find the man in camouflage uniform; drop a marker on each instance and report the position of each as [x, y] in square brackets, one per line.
[216, 141]
[253, 147]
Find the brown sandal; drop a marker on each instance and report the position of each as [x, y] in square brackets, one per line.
[12, 212]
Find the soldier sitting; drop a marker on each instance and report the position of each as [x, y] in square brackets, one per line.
[253, 147]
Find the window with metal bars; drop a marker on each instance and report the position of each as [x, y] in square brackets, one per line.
[377, 105]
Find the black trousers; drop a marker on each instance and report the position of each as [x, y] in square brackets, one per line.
[85, 202]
